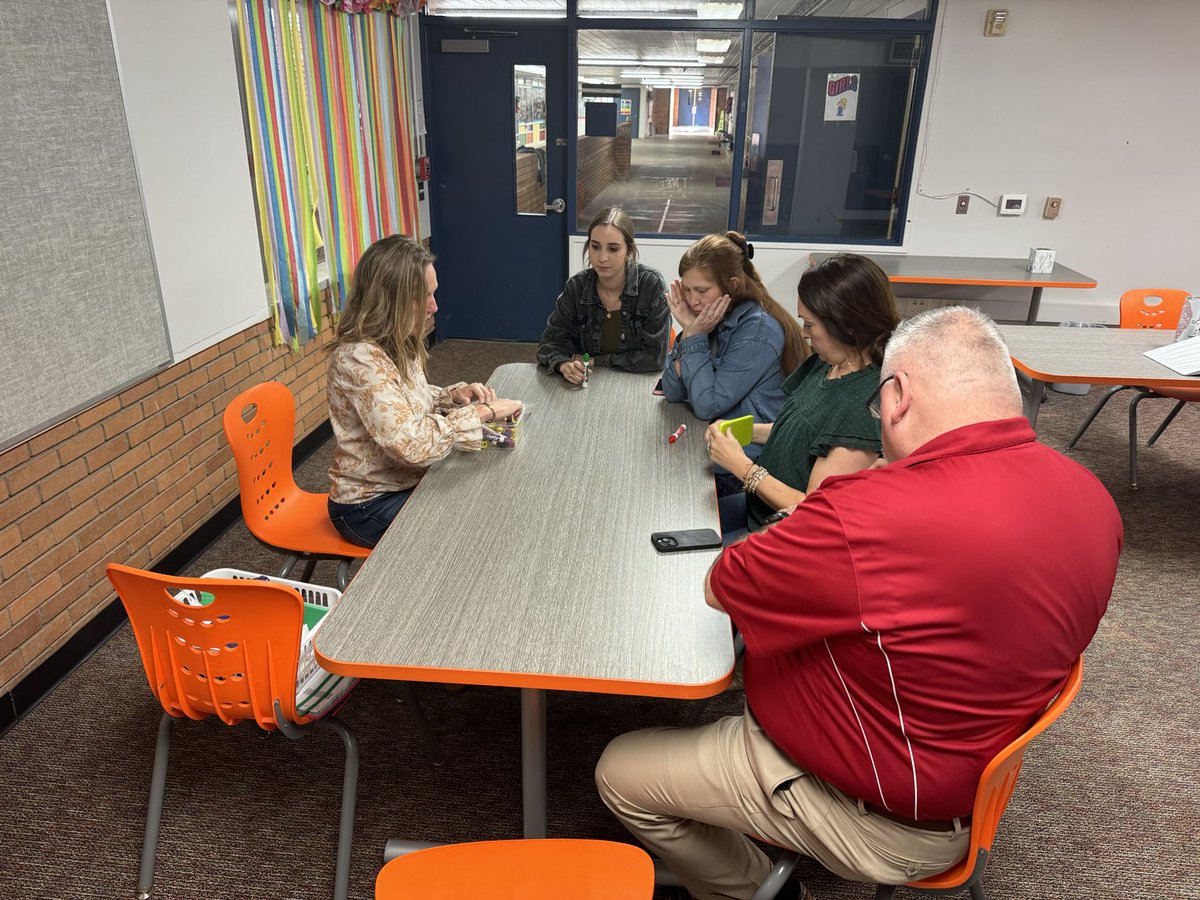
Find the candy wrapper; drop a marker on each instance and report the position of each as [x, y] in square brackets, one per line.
[504, 434]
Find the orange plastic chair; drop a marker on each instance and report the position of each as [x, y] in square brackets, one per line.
[1144, 308]
[520, 870]
[996, 786]
[1151, 307]
[236, 658]
[260, 424]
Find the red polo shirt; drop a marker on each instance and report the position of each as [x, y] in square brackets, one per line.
[906, 623]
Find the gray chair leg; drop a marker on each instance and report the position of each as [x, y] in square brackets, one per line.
[977, 890]
[288, 563]
[778, 876]
[404, 690]
[158, 788]
[343, 574]
[341, 881]
[1165, 422]
[310, 566]
[885, 891]
[1095, 412]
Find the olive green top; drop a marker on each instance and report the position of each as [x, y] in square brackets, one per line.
[818, 414]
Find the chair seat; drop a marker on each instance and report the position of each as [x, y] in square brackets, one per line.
[305, 529]
[520, 870]
[1192, 394]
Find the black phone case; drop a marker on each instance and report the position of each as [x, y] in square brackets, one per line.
[688, 539]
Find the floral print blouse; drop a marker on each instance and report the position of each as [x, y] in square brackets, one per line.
[389, 432]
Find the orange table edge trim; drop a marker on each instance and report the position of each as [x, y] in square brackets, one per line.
[1165, 383]
[492, 678]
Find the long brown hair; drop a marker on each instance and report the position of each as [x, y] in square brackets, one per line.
[620, 220]
[386, 305]
[853, 299]
[727, 256]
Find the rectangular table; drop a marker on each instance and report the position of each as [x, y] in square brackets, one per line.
[1088, 356]
[533, 567]
[977, 271]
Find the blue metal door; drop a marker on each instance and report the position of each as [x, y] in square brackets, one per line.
[496, 155]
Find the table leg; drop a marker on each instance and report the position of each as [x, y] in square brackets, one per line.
[533, 761]
[1035, 301]
[1033, 401]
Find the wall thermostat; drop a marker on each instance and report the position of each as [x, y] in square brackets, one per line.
[1012, 204]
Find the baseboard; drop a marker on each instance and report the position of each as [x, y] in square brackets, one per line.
[38, 684]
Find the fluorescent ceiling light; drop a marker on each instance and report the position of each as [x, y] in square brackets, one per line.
[719, 11]
[712, 45]
[711, 59]
[652, 73]
[630, 61]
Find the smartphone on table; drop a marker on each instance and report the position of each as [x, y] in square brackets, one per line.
[687, 539]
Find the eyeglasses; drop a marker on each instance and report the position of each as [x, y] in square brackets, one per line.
[876, 398]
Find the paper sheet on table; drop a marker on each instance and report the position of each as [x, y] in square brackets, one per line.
[1182, 356]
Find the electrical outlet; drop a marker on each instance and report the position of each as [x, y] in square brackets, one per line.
[960, 208]
[1053, 205]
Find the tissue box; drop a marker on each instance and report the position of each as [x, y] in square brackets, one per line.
[1189, 319]
[1041, 260]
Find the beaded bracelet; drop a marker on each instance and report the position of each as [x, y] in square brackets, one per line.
[489, 409]
[753, 478]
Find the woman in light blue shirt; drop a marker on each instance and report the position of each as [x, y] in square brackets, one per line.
[737, 344]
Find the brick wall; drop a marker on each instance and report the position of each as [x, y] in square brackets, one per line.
[127, 481]
[594, 168]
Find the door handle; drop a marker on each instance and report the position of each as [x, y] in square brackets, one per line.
[773, 195]
[557, 205]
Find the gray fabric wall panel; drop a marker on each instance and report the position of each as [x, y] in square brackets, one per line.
[80, 309]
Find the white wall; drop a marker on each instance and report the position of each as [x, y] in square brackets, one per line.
[179, 83]
[1094, 101]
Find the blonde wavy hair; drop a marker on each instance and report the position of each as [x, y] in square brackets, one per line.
[386, 305]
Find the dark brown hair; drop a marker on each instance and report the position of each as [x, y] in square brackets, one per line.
[727, 256]
[854, 301]
[620, 220]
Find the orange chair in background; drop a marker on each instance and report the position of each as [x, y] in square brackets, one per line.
[995, 788]
[1157, 308]
[520, 870]
[236, 658]
[1151, 307]
[260, 424]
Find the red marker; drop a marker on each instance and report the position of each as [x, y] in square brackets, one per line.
[677, 435]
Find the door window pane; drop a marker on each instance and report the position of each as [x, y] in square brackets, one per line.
[917, 10]
[828, 121]
[529, 107]
[654, 119]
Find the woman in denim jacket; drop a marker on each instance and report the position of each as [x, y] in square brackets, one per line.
[737, 343]
[615, 310]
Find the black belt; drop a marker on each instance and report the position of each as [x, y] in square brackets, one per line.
[923, 824]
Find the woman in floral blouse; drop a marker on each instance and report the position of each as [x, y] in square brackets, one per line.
[390, 424]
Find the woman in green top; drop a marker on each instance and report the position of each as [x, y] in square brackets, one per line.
[848, 313]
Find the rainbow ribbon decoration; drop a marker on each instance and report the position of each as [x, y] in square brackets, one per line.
[328, 98]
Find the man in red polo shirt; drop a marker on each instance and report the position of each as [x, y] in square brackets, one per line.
[902, 626]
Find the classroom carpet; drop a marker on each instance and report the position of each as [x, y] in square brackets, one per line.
[1108, 804]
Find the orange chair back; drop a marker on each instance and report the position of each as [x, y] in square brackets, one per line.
[260, 425]
[1152, 307]
[520, 870]
[996, 786]
[232, 658]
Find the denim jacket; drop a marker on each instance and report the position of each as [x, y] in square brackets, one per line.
[574, 325]
[735, 371]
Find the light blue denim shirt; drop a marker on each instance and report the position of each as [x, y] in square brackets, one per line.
[734, 372]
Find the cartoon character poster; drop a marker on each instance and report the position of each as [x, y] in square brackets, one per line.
[841, 97]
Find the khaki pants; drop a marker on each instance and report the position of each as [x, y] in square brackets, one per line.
[691, 795]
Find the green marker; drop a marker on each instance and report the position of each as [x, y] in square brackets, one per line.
[586, 358]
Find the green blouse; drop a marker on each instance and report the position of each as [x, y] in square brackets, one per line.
[818, 414]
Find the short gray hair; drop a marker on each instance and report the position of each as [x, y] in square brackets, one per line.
[959, 345]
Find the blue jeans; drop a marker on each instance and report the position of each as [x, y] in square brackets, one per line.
[365, 523]
[734, 523]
